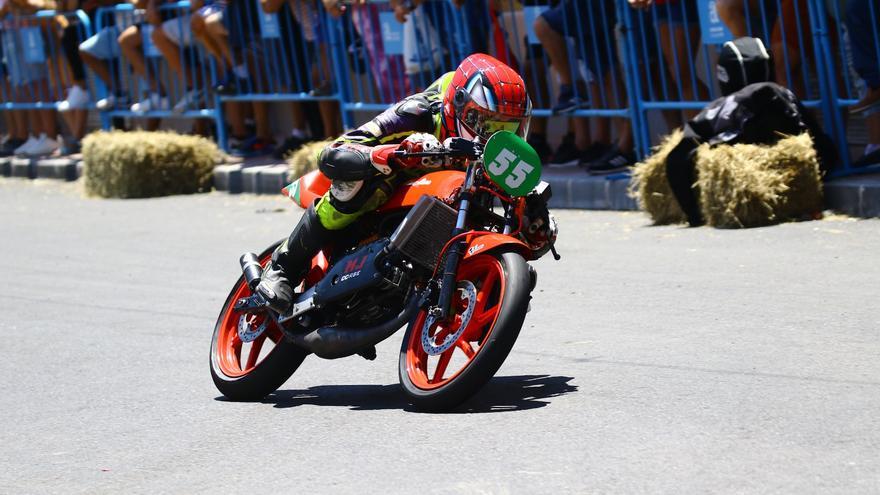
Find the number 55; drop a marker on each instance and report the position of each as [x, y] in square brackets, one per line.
[518, 174]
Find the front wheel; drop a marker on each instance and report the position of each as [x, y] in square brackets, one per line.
[442, 364]
[250, 357]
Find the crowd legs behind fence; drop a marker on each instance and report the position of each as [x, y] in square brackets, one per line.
[623, 76]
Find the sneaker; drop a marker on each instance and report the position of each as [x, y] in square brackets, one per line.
[43, 146]
[25, 147]
[869, 104]
[593, 152]
[291, 144]
[151, 103]
[539, 143]
[191, 99]
[110, 102]
[10, 145]
[614, 160]
[569, 102]
[77, 98]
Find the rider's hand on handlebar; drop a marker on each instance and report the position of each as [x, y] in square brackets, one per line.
[420, 143]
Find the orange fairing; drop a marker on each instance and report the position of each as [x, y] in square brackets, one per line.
[438, 184]
[305, 190]
[480, 244]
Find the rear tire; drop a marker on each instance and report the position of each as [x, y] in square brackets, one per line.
[509, 298]
[241, 380]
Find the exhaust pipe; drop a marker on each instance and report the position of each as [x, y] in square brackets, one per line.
[338, 342]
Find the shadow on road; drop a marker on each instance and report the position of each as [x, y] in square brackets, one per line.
[505, 393]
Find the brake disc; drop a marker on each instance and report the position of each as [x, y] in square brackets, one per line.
[247, 332]
[429, 343]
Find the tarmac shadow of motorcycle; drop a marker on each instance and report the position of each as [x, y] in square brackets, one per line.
[501, 394]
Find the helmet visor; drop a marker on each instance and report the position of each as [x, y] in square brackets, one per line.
[484, 123]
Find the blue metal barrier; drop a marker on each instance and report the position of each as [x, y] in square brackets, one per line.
[679, 49]
[618, 62]
[380, 61]
[851, 51]
[157, 82]
[33, 75]
[288, 54]
[591, 74]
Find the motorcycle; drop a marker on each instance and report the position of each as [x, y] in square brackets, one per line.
[446, 256]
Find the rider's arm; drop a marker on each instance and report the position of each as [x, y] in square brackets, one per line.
[355, 149]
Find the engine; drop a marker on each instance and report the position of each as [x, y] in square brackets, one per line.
[364, 286]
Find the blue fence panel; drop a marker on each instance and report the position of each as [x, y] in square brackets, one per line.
[614, 61]
[142, 83]
[286, 54]
[33, 74]
[381, 60]
[850, 35]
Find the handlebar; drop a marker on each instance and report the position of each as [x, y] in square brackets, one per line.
[456, 148]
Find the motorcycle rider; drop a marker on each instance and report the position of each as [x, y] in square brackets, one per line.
[479, 98]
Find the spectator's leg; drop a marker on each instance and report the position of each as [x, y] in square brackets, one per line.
[19, 127]
[70, 44]
[866, 60]
[99, 67]
[131, 44]
[330, 118]
[216, 31]
[787, 52]
[170, 52]
[261, 119]
[732, 14]
[235, 115]
[556, 48]
[200, 33]
[674, 41]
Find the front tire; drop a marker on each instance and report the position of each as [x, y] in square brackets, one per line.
[249, 371]
[490, 307]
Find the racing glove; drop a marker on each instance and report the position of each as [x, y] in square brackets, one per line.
[420, 143]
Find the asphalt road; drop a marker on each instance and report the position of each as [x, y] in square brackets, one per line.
[655, 359]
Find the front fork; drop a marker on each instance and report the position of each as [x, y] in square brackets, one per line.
[453, 256]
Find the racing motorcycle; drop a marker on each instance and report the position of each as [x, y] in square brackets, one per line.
[446, 256]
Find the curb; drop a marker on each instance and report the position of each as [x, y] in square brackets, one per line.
[855, 196]
[858, 196]
[65, 168]
[573, 188]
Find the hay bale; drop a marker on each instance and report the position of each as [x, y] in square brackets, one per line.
[650, 188]
[305, 159]
[147, 164]
[747, 185]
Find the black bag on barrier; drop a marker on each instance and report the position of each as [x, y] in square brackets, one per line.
[742, 62]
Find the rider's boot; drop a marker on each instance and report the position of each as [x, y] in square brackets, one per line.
[291, 259]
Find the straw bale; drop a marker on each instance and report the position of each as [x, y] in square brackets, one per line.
[650, 188]
[305, 159]
[147, 164]
[747, 185]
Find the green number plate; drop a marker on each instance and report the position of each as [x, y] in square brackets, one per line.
[512, 163]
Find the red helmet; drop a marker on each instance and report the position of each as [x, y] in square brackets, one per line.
[486, 96]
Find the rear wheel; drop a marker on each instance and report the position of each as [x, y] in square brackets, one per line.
[249, 356]
[442, 364]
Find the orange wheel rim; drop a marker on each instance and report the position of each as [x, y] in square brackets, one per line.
[236, 358]
[438, 352]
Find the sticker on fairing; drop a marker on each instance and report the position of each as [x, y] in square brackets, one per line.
[511, 163]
